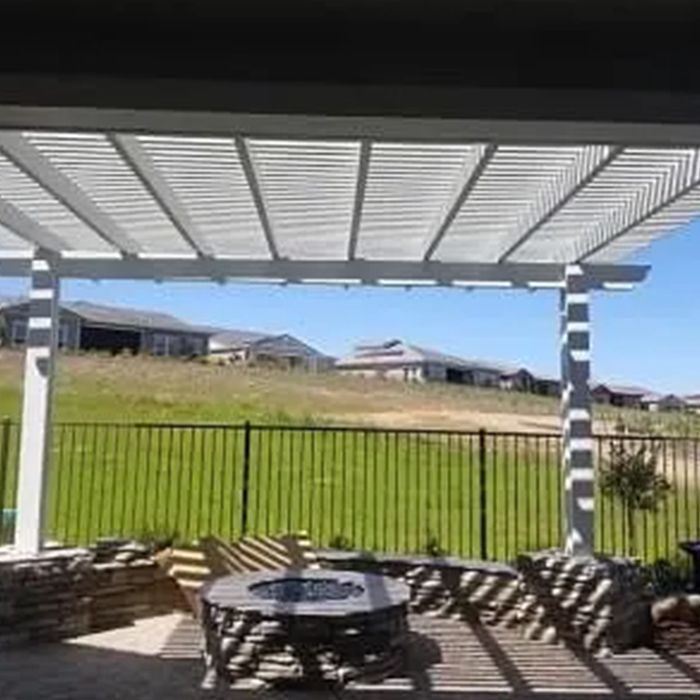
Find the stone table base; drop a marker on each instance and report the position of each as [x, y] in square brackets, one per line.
[308, 643]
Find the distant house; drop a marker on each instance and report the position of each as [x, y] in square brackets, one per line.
[254, 348]
[517, 380]
[662, 402]
[692, 402]
[395, 359]
[619, 395]
[115, 329]
[545, 386]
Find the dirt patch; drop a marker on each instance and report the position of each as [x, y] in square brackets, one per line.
[453, 419]
[459, 419]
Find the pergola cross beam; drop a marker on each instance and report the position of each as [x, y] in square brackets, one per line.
[253, 180]
[360, 187]
[16, 221]
[472, 175]
[140, 163]
[344, 272]
[38, 167]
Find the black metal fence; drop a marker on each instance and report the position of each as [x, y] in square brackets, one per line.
[474, 494]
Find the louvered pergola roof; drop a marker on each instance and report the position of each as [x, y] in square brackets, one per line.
[345, 210]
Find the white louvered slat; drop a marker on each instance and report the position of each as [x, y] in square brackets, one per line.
[206, 176]
[10, 242]
[518, 182]
[637, 181]
[680, 212]
[309, 192]
[247, 198]
[408, 188]
[94, 165]
[29, 198]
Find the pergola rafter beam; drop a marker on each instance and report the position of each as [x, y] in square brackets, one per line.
[31, 231]
[38, 167]
[471, 179]
[360, 187]
[649, 213]
[140, 163]
[585, 178]
[253, 180]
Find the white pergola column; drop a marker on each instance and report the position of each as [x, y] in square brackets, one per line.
[36, 409]
[576, 412]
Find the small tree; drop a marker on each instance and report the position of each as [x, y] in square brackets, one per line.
[631, 476]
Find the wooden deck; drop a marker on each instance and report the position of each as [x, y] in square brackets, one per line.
[159, 658]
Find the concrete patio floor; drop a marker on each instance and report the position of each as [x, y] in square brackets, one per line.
[159, 658]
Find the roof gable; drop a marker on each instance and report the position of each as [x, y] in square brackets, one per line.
[621, 389]
[239, 339]
[124, 316]
[397, 352]
[234, 338]
[286, 342]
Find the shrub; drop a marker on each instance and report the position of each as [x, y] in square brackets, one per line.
[665, 578]
[340, 542]
[157, 538]
[433, 547]
[631, 476]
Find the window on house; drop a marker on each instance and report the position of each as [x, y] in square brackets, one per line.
[191, 345]
[63, 335]
[161, 344]
[18, 333]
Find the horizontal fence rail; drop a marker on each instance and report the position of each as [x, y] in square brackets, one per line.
[476, 494]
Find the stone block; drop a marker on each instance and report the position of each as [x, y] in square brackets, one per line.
[596, 603]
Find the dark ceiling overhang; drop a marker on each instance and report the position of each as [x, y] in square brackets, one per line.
[564, 59]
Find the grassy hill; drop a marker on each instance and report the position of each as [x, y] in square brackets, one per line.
[101, 387]
[104, 388]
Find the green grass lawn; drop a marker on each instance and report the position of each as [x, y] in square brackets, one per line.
[384, 491]
[397, 491]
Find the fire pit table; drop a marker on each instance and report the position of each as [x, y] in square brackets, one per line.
[303, 627]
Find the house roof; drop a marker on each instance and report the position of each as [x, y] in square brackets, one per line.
[235, 338]
[125, 316]
[654, 397]
[286, 342]
[103, 314]
[545, 378]
[396, 352]
[623, 389]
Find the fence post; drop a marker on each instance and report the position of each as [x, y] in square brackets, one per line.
[482, 495]
[246, 478]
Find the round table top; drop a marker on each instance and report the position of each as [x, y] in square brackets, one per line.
[378, 593]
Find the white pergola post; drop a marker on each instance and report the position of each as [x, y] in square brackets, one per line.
[576, 412]
[36, 409]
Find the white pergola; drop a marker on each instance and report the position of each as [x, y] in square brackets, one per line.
[335, 201]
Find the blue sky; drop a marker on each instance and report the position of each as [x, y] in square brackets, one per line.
[650, 336]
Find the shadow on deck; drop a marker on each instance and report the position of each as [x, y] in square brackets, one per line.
[159, 658]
